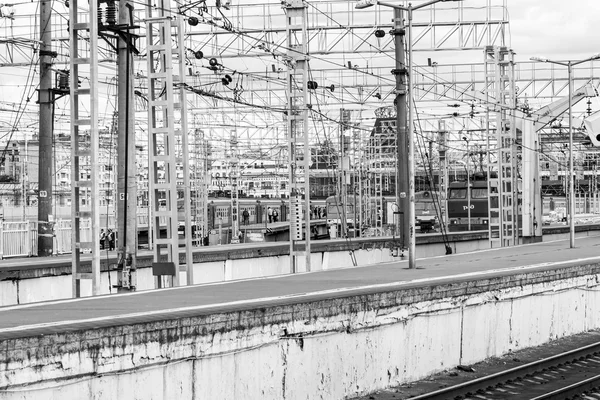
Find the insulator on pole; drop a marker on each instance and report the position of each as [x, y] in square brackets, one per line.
[100, 21]
[111, 12]
[62, 79]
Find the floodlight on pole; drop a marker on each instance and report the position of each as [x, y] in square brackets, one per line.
[569, 64]
[364, 4]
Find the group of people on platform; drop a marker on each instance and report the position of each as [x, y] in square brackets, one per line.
[318, 212]
[272, 214]
[107, 239]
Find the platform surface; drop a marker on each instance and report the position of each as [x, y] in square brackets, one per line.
[153, 305]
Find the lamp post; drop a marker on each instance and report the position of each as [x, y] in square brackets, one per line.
[410, 215]
[569, 64]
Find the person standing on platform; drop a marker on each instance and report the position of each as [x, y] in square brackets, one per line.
[111, 239]
[275, 215]
[102, 239]
[270, 214]
[246, 217]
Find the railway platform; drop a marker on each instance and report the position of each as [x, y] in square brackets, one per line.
[334, 333]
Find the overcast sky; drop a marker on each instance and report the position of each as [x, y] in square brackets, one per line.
[555, 29]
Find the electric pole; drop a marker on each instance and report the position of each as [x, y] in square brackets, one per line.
[45, 166]
[126, 167]
[402, 178]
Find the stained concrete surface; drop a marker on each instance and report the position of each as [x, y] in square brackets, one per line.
[490, 366]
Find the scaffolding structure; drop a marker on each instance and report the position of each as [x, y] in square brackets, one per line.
[182, 136]
[500, 93]
[297, 130]
[381, 172]
[199, 187]
[162, 140]
[234, 173]
[83, 83]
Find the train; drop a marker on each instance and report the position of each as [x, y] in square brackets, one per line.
[458, 215]
[382, 216]
[458, 206]
[219, 210]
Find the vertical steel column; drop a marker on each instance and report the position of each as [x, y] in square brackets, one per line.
[502, 152]
[442, 148]
[200, 183]
[161, 133]
[297, 129]
[126, 168]
[233, 177]
[85, 217]
[343, 192]
[46, 164]
[402, 178]
[183, 158]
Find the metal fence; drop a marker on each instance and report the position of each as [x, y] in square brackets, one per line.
[18, 239]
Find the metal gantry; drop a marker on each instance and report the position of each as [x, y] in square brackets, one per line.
[200, 186]
[381, 162]
[85, 217]
[182, 135]
[500, 95]
[298, 133]
[162, 139]
[234, 172]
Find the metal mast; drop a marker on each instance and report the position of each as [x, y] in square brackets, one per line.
[83, 35]
[161, 136]
[199, 189]
[46, 98]
[234, 171]
[183, 157]
[126, 167]
[502, 147]
[297, 129]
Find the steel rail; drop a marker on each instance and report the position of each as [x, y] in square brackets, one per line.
[487, 382]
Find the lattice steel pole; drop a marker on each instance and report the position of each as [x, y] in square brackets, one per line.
[85, 217]
[297, 130]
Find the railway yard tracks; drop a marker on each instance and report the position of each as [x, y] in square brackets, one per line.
[573, 374]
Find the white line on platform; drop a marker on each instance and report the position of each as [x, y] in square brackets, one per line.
[296, 296]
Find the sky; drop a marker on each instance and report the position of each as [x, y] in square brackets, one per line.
[554, 29]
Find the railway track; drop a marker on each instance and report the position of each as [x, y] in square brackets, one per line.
[571, 375]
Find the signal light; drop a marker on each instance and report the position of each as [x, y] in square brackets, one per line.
[312, 85]
[198, 54]
[379, 33]
[226, 80]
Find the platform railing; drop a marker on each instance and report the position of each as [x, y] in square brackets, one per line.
[18, 239]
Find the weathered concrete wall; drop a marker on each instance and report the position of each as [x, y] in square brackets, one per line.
[329, 348]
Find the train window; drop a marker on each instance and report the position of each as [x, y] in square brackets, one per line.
[479, 193]
[458, 193]
[332, 209]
